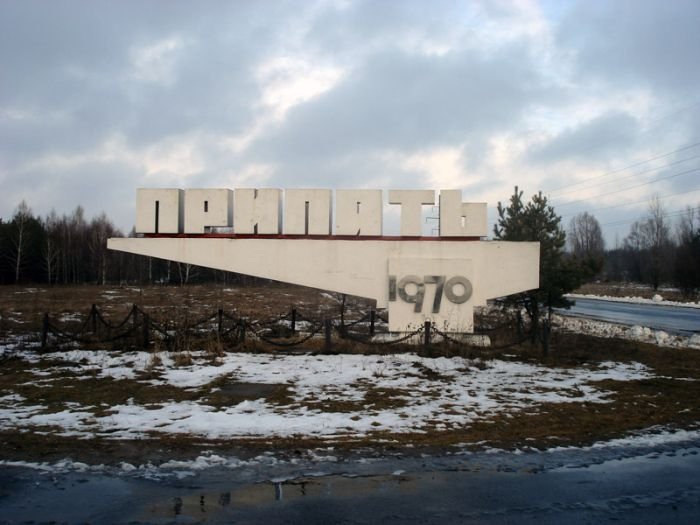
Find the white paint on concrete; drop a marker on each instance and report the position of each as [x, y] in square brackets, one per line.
[358, 212]
[307, 212]
[159, 210]
[411, 202]
[461, 219]
[356, 267]
[207, 208]
[257, 211]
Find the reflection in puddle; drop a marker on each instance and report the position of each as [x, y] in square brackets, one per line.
[217, 504]
[654, 484]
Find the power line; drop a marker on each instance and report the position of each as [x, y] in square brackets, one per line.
[654, 168]
[684, 148]
[684, 192]
[669, 214]
[662, 117]
[631, 187]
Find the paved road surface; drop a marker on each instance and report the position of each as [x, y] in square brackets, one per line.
[672, 319]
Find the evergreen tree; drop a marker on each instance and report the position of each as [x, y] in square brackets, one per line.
[559, 274]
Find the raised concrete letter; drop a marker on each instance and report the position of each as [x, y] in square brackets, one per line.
[307, 212]
[207, 208]
[358, 212]
[461, 219]
[257, 211]
[411, 202]
[158, 210]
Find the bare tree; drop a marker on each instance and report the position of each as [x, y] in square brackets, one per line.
[650, 241]
[688, 224]
[633, 247]
[19, 237]
[686, 271]
[657, 232]
[585, 236]
[50, 250]
[99, 230]
[186, 272]
[73, 242]
[585, 239]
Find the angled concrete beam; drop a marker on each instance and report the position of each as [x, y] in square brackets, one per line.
[361, 267]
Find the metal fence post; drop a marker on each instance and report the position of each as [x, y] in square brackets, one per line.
[93, 318]
[327, 328]
[241, 330]
[220, 315]
[371, 322]
[146, 331]
[134, 322]
[294, 321]
[45, 331]
[426, 335]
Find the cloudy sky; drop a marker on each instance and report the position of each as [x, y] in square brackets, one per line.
[597, 104]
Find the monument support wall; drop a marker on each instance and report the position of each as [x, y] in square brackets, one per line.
[362, 268]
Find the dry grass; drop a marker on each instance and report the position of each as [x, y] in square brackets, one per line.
[670, 399]
[24, 306]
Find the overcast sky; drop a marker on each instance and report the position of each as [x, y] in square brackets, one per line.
[590, 102]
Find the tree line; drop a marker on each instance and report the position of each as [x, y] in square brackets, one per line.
[656, 250]
[651, 254]
[72, 249]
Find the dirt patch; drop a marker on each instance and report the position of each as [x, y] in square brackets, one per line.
[58, 386]
[226, 392]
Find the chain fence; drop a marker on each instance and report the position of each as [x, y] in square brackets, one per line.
[293, 329]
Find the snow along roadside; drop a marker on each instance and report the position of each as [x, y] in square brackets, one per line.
[657, 300]
[633, 333]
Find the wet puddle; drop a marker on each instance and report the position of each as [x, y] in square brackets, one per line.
[658, 484]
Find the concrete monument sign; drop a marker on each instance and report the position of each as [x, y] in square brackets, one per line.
[249, 231]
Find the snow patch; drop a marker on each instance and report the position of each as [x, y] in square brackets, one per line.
[440, 393]
[633, 333]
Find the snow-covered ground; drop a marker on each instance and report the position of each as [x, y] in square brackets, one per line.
[328, 396]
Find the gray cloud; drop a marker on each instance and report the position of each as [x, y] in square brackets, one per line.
[636, 42]
[416, 77]
[605, 137]
[406, 102]
[71, 74]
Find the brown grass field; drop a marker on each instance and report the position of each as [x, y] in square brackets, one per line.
[670, 400]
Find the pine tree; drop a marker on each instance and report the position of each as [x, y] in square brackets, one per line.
[537, 221]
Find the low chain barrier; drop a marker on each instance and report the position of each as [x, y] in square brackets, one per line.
[140, 329]
[286, 344]
[372, 341]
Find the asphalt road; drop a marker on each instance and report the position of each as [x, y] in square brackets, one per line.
[672, 319]
[657, 485]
